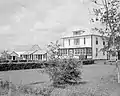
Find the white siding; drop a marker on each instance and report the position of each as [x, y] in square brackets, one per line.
[81, 44]
[87, 41]
[99, 46]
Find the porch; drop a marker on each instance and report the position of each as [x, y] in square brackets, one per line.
[85, 52]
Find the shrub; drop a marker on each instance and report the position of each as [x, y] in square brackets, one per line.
[4, 84]
[64, 71]
[41, 90]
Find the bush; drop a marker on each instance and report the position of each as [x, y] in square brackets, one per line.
[41, 90]
[66, 71]
[20, 66]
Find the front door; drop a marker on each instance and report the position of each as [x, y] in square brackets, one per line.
[13, 57]
[70, 52]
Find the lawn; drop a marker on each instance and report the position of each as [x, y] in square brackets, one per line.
[99, 78]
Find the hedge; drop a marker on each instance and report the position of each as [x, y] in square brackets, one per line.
[14, 65]
[20, 66]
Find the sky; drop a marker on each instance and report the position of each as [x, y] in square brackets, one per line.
[30, 22]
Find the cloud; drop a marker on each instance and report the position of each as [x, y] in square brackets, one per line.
[4, 28]
[41, 21]
[66, 15]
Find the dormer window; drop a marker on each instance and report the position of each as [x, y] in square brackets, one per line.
[75, 33]
[78, 32]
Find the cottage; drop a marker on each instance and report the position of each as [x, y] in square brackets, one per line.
[14, 55]
[34, 55]
[40, 55]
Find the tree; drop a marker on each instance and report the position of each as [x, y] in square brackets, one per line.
[62, 71]
[5, 55]
[53, 50]
[107, 13]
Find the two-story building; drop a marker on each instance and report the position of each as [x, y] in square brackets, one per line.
[83, 43]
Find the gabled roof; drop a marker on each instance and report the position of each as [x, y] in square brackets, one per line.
[13, 53]
[40, 52]
[29, 52]
[35, 47]
[20, 53]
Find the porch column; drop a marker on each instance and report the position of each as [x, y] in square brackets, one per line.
[36, 56]
[67, 52]
[85, 51]
[12, 57]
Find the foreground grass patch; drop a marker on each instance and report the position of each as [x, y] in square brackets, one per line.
[103, 84]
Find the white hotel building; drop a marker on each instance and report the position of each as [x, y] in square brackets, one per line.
[83, 43]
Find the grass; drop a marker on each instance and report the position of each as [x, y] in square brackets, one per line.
[99, 80]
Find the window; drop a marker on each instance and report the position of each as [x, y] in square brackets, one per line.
[39, 57]
[84, 51]
[44, 56]
[75, 33]
[64, 51]
[84, 40]
[96, 41]
[77, 51]
[76, 41]
[89, 51]
[36, 56]
[96, 52]
[81, 51]
[103, 52]
[103, 42]
[25, 56]
[69, 41]
[70, 51]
